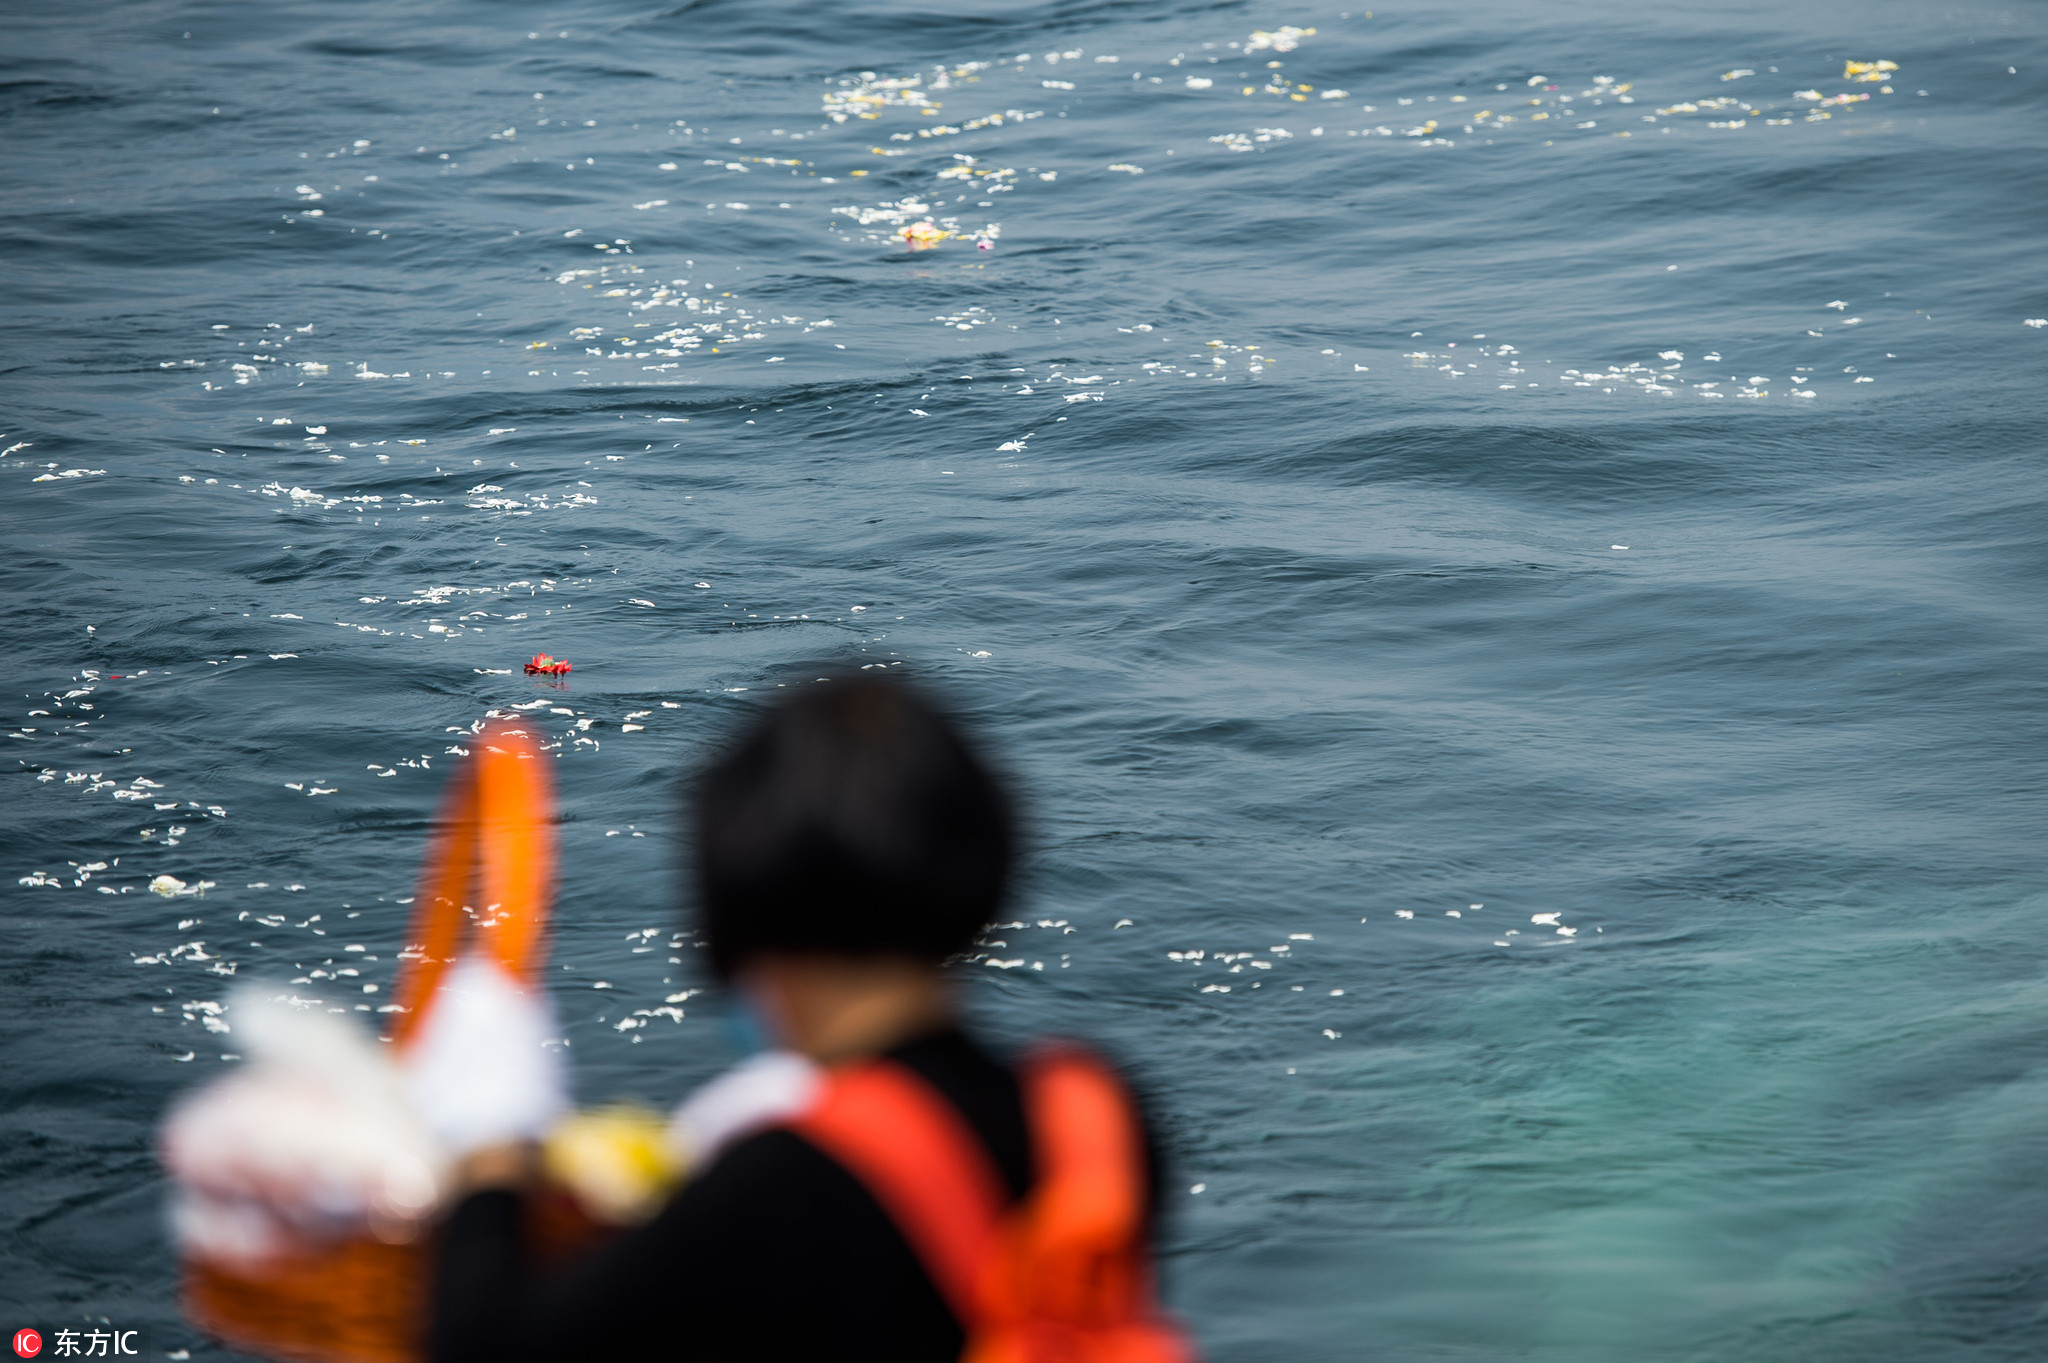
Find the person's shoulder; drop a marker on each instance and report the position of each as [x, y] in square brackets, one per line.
[769, 1158]
[775, 1192]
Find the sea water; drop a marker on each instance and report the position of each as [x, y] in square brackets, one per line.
[1502, 543]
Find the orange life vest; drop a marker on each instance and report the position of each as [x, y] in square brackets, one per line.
[1064, 1276]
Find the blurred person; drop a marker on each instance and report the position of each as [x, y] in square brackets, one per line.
[883, 1187]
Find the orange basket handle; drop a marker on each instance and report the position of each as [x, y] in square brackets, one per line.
[495, 835]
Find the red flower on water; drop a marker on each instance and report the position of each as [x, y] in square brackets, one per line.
[542, 663]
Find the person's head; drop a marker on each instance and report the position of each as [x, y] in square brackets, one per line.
[851, 820]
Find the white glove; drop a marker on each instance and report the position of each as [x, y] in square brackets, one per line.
[479, 1072]
[312, 1139]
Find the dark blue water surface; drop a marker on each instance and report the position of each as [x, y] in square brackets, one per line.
[1548, 611]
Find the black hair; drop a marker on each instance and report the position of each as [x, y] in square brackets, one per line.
[852, 818]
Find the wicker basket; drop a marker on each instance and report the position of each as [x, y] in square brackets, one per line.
[362, 1300]
[359, 1301]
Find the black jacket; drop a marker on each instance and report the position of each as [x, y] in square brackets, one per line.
[773, 1253]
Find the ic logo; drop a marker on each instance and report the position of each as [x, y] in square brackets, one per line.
[27, 1343]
